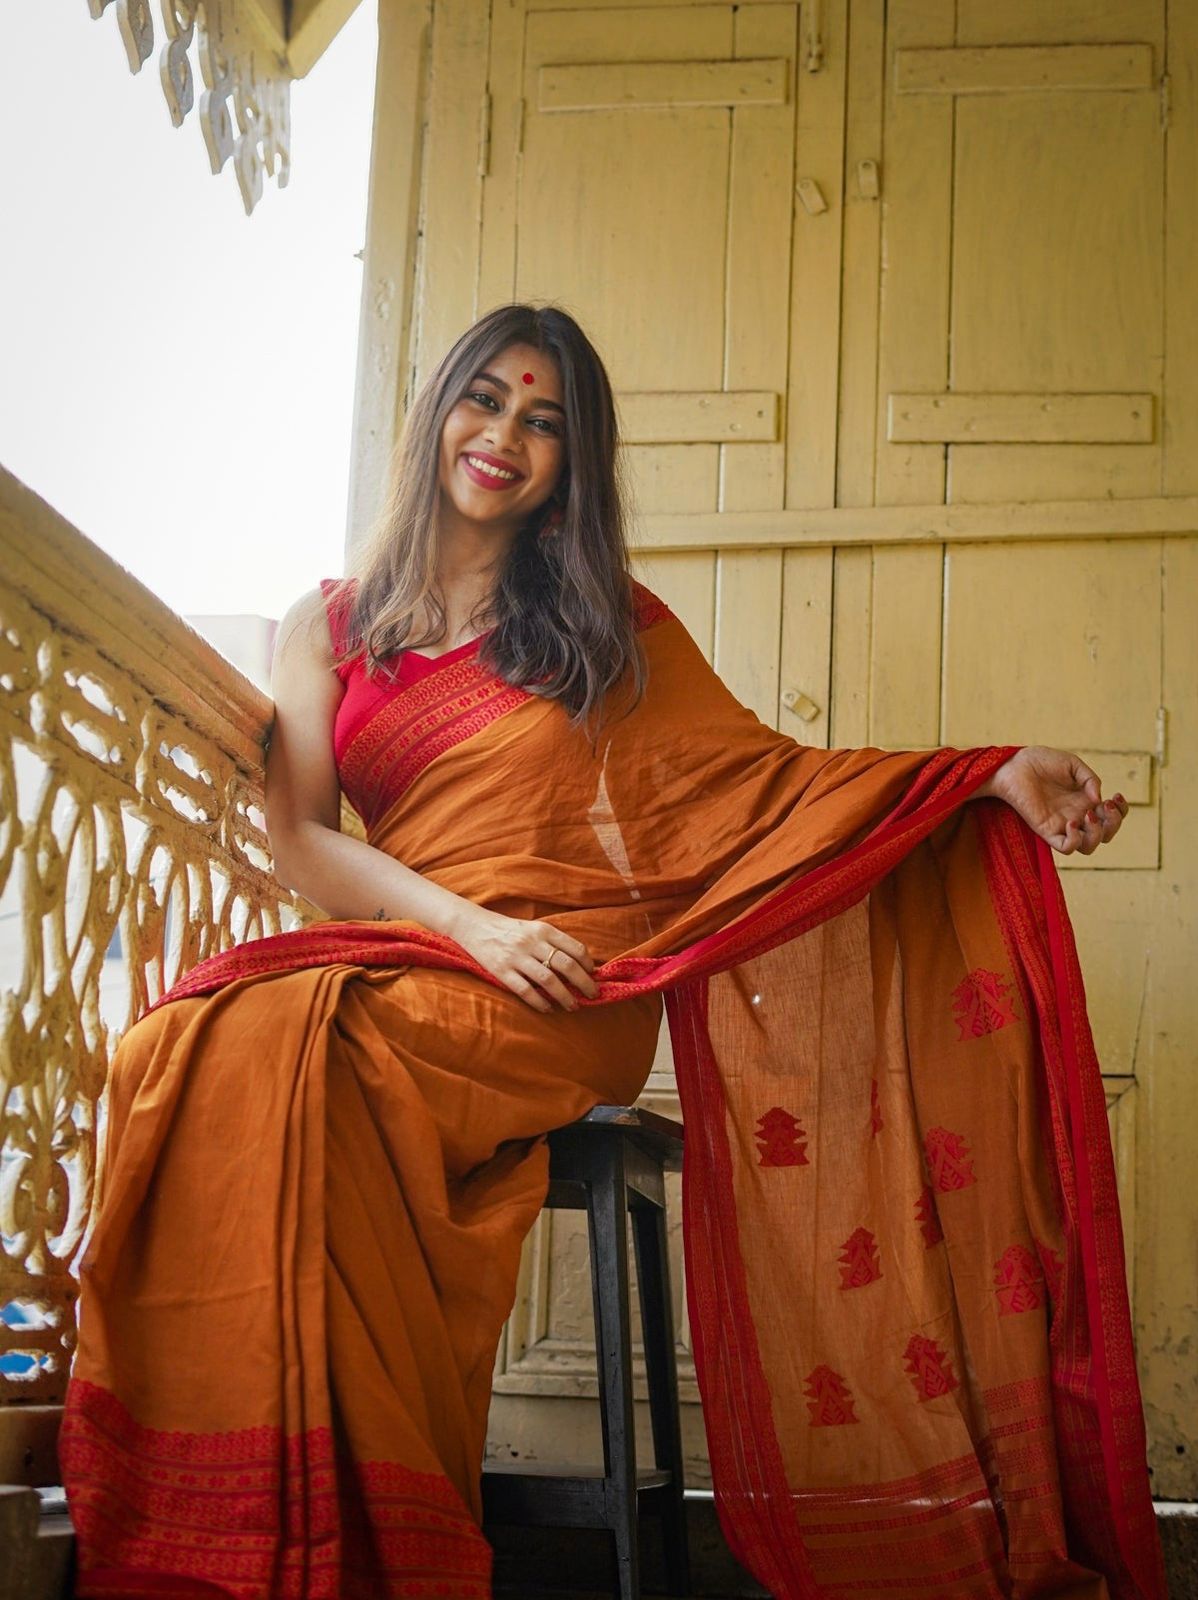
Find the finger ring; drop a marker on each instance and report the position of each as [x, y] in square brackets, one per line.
[547, 961]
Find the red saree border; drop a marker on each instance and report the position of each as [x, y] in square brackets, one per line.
[257, 1514]
[946, 781]
[757, 1518]
[1096, 1388]
[420, 723]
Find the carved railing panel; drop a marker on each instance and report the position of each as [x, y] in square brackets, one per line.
[132, 845]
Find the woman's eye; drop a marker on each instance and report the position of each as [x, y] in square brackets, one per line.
[481, 394]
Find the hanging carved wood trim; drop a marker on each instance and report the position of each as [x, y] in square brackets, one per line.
[132, 844]
[246, 100]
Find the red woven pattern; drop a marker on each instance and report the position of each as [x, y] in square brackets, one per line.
[258, 1515]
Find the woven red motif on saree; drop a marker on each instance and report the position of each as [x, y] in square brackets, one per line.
[258, 1516]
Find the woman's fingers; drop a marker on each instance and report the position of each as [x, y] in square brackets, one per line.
[547, 980]
[1084, 777]
[1098, 826]
[527, 990]
[1111, 815]
[567, 966]
[568, 945]
[1100, 823]
[1076, 838]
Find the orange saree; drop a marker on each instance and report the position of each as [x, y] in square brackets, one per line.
[904, 1263]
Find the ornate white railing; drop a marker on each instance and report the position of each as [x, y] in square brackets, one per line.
[132, 845]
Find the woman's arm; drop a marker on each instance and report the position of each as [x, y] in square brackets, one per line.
[346, 876]
[353, 880]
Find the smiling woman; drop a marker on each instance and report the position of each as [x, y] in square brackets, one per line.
[490, 509]
[904, 1264]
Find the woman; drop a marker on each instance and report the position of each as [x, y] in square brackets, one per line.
[903, 1253]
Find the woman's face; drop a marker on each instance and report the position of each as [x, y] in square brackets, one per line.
[510, 420]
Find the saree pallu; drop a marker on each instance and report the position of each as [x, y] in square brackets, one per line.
[904, 1266]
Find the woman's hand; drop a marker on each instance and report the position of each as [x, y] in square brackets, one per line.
[533, 958]
[1059, 796]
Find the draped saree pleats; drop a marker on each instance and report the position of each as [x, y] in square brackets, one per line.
[904, 1265]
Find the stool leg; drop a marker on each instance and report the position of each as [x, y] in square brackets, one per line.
[657, 1328]
[607, 1218]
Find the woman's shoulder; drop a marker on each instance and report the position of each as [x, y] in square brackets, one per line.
[337, 596]
[337, 588]
[316, 622]
[647, 607]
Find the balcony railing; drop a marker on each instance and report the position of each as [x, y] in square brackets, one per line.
[132, 845]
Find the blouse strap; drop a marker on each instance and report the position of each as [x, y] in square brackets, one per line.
[647, 608]
[338, 603]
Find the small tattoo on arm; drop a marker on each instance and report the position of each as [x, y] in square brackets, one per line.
[379, 916]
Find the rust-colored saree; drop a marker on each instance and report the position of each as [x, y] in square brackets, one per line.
[904, 1263]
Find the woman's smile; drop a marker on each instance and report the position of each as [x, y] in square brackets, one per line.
[488, 472]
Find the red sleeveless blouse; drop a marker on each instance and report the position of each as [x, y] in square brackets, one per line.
[364, 695]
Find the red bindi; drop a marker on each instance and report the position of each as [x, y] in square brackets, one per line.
[528, 378]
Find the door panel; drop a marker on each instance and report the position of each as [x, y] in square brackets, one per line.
[1024, 245]
[1059, 643]
[1057, 277]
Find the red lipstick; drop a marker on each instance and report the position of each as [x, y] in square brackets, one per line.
[485, 479]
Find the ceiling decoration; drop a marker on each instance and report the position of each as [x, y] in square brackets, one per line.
[245, 102]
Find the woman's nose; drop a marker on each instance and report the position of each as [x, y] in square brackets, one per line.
[502, 430]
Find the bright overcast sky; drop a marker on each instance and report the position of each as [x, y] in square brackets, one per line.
[176, 378]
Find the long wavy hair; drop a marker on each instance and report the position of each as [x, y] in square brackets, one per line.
[561, 612]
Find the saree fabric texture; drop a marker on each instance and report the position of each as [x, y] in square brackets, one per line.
[904, 1266]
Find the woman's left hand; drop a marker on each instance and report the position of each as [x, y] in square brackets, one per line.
[1059, 796]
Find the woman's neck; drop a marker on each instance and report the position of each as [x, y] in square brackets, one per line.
[467, 571]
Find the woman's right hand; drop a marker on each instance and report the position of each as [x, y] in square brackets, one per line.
[515, 950]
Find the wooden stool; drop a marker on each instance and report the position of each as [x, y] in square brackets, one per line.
[611, 1162]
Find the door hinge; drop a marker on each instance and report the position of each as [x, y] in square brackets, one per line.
[814, 43]
[1165, 100]
[520, 127]
[484, 135]
[1162, 736]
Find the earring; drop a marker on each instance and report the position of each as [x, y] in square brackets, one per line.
[552, 522]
